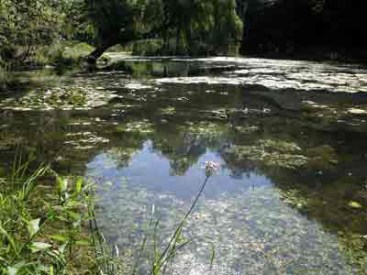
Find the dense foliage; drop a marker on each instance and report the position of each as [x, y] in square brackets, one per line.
[203, 26]
[198, 27]
[26, 25]
[186, 27]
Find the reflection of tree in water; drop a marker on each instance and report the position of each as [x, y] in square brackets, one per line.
[182, 151]
[184, 145]
[122, 155]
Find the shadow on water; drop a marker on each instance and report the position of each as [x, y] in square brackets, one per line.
[291, 192]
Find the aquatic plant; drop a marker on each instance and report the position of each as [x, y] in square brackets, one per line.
[140, 127]
[170, 110]
[322, 157]
[60, 98]
[246, 129]
[204, 129]
[84, 140]
[270, 153]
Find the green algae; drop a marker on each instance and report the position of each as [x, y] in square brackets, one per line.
[204, 128]
[286, 154]
[279, 146]
[246, 129]
[84, 140]
[168, 110]
[295, 198]
[140, 127]
[63, 98]
[270, 153]
[322, 157]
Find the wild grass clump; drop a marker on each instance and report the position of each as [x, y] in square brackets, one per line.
[43, 226]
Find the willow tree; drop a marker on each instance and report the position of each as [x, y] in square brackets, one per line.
[120, 22]
[228, 26]
[192, 22]
[203, 25]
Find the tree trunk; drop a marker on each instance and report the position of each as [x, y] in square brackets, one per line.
[93, 56]
[178, 33]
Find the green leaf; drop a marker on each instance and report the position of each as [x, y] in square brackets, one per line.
[12, 270]
[82, 243]
[62, 185]
[79, 186]
[62, 248]
[74, 215]
[9, 238]
[59, 238]
[73, 204]
[39, 246]
[33, 227]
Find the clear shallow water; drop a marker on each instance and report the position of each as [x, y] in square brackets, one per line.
[290, 196]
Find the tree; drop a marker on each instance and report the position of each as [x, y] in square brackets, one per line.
[194, 23]
[206, 26]
[25, 25]
[120, 22]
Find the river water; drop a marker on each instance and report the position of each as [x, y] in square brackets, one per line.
[290, 139]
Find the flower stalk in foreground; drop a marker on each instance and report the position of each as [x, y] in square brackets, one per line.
[211, 168]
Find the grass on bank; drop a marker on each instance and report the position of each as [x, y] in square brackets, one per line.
[42, 226]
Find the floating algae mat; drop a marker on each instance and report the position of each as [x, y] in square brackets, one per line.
[288, 137]
[65, 98]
